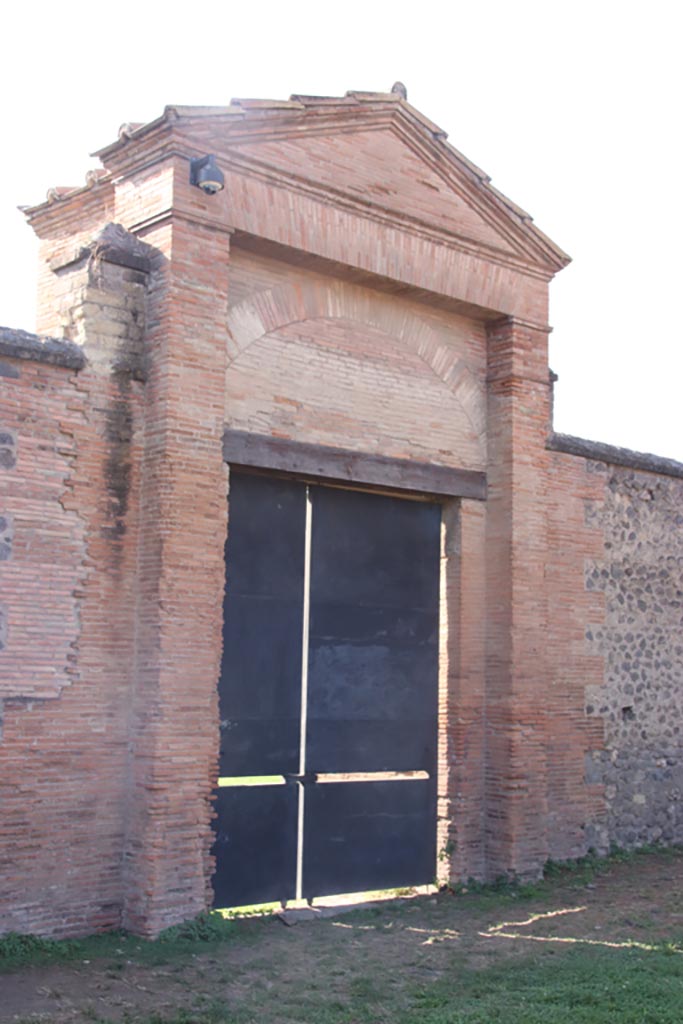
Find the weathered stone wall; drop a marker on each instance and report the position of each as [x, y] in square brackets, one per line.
[615, 593]
[641, 640]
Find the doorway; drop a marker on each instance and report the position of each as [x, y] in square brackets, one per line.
[328, 693]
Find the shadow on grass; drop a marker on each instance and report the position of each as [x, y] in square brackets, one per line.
[199, 935]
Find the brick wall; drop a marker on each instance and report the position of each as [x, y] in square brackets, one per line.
[324, 360]
[43, 540]
[575, 802]
[68, 592]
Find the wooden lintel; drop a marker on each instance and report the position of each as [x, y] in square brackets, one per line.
[243, 449]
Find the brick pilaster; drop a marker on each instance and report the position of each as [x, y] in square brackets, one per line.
[517, 676]
[183, 512]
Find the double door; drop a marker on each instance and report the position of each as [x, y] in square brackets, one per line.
[327, 693]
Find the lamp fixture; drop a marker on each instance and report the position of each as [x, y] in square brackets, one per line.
[206, 174]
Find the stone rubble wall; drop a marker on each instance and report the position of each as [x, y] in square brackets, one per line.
[615, 598]
[641, 641]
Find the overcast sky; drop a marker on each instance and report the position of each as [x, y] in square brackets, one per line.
[573, 109]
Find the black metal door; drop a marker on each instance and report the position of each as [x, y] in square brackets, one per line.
[259, 692]
[328, 693]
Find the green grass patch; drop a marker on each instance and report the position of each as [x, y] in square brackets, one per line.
[196, 936]
[213, 1013]
[581, 986]
[350, 971]
[580, 871]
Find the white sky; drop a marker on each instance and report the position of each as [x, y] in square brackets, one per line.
[573, 109]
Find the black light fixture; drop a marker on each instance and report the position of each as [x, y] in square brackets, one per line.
[206, 174]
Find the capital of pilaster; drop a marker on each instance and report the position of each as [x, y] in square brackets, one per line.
[517, 352]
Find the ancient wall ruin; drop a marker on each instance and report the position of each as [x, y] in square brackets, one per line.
[621, 590]
[640, 702]
[71, 423]
[293, 314]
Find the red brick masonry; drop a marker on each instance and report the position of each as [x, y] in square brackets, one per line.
[357, 285]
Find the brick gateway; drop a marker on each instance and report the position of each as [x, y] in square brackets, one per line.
[358, 307]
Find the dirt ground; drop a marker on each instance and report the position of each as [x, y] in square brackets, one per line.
[412, 939]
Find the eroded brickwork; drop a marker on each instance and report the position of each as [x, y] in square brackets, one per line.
[66, 665]
[42, 542]
[68, 590]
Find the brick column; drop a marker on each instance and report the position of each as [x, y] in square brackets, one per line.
[183, 514]
[516, 554]
[462, 751]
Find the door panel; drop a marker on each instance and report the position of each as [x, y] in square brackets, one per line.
[256, 845]
[369, 549]
[266, 536]
[373, 649]
[371, 699]
[369, 835]
[260, 683]
[260, 689]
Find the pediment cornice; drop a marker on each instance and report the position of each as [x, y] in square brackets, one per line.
[247, 134]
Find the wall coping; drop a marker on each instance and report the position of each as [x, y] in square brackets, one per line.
[614, 455]
[18, 344]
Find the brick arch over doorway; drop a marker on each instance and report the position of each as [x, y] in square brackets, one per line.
[283, 307]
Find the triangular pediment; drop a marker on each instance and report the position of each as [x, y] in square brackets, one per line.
[378, 153]
[376, 167]
[372, 152]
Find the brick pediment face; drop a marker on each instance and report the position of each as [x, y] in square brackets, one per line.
[380, 169]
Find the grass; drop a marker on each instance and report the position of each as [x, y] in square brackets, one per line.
[576, 987]
[192, 937]
[581, 871]
[378, 964]
[214, 928]
[580, 986]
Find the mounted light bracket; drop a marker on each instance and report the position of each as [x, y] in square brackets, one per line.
[206, 174]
